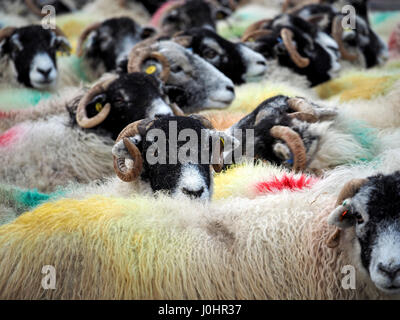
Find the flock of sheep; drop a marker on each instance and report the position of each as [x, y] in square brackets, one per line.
[276, 214]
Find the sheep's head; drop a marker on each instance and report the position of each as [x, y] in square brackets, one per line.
[32, 52]
[296, 44]
[189, 81]
[281, 131]
[112, 104]
[235, 60]
[173, 154]
[368, 215]
[186, 14]
[108, 43]
[360, 43]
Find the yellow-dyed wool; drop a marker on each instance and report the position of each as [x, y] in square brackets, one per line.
[271, 247]
[250, 95]
[354, 85]
[239, 180]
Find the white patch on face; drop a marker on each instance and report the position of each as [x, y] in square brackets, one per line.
[159, 107]
[43, 73]
[330, 46]
[191, 180]
[385, 255]
[255, 63]
[124, 48]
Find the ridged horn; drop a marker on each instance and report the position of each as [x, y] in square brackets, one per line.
[287, 38]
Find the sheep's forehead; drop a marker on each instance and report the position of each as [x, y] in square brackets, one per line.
[174, 52]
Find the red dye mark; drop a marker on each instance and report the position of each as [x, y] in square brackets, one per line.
[285, 182]
[10, 136]
[4, 114]
[394, 42]
[155, 19]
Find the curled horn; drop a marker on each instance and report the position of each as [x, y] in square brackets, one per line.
[207, 123]
[287, 37]
[140, 54]
[256, 35]
[124, 173]
[303, 110]
[176, 110]
[337, 34]
[259, 25]
[84, 35]
[348, 191]
[81, 114]
[34, 8]
[295, 144]
[6, 32]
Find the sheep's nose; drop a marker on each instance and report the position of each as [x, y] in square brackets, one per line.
[262, 63]
[193, 194]
[44, 72]
[230, 88]
[389, 271]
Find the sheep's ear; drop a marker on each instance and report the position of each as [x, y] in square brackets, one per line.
[119, 149]
[222, 13]
[316, 18]
[148, 32]
[342, 216]
[62, 44]
[228, 142]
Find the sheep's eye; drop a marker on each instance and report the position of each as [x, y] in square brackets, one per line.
[155, 153]
[176, 69]
[209, 53]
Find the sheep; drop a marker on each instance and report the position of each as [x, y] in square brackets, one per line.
[75, 144]
[278, 246]
[28, 56]
[302, 135]
[189, 81]
[177, 16]
[296, 44]
[361, 45]
[235, 60]
[108, 45]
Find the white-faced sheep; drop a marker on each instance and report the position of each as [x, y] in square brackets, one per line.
[75, 144]
[276, 246]
[28, 56]
[189, 81]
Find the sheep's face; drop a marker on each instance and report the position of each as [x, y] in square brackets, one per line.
[32, 51]
[318, 47]
[176, 153]
[368, 46]
[111, 42]
[235, 60]
[373, 216]
[193, 83]
[190, 14]
[132, 97]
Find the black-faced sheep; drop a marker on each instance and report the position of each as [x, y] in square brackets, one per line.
[303, 135]
[75, 144]
[276, 246]
[105, 46]
[28, 56]
[361, 44]
[296, 44]
[189, 81]
[172, 154]
[235, 60]
[186, 14]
